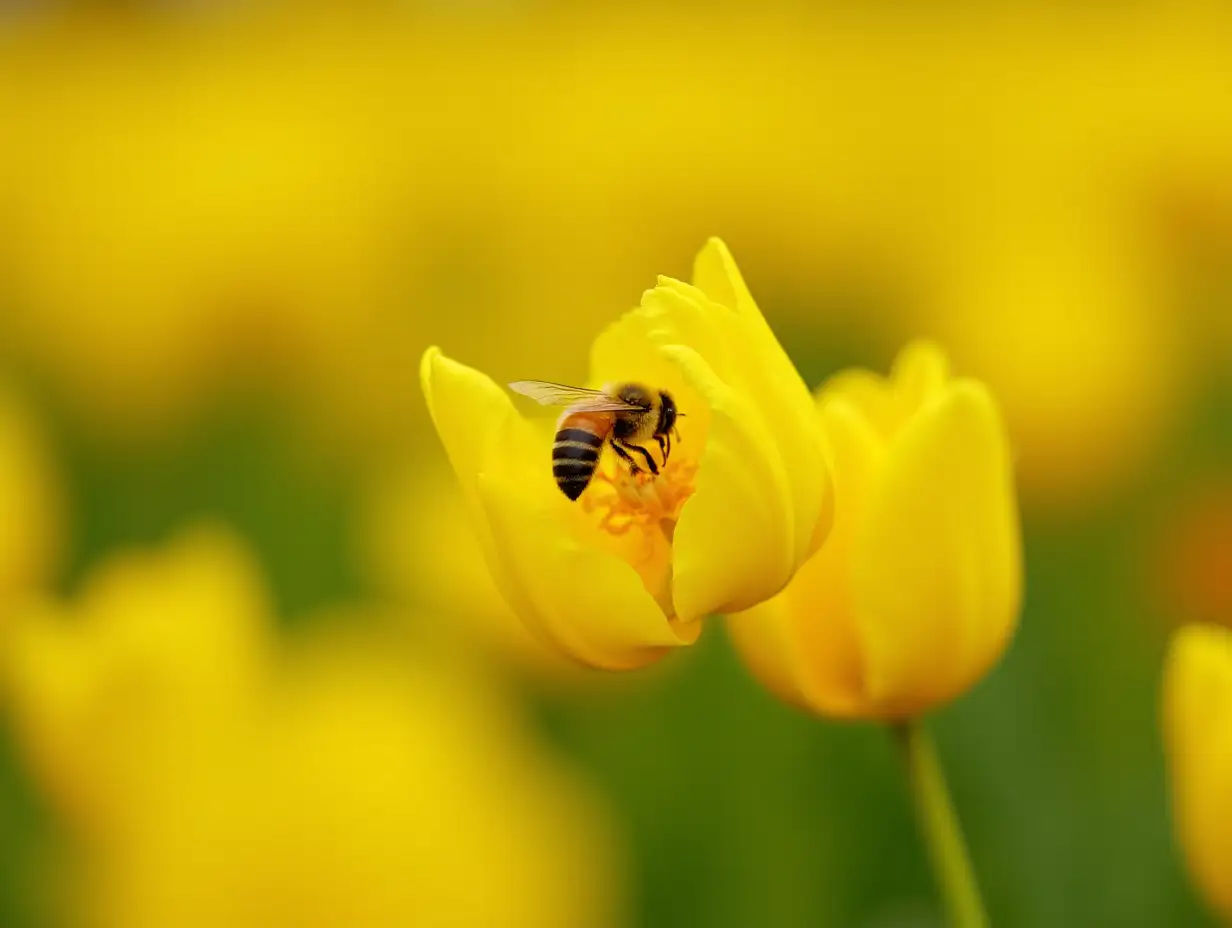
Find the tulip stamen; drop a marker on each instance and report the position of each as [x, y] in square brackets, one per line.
[646, 501]
[637, 514]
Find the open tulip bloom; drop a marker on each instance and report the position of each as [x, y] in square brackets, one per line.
[910, 601]
[633, 566]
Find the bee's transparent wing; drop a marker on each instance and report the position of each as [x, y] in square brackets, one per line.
[576, 398]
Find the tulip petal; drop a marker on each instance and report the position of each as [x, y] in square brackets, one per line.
[737, 538]
[830, 637]
[585, 601]
[767, 638]
[630, 349]
[935, 566]
[770, 377]
[921, 372]
[480, 429]
[732, 546]
[1197, 717]
[715, 273]
[802, 643]
[869, 392]
[473, 416]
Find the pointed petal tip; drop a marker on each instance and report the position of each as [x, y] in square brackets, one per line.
[427, 373]
[974, 402]
[713, 252]
[427, 362]
[923, 345]
[717, 274]
[435, 363]
[921, 368]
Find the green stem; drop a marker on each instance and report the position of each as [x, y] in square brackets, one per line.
[939, 826]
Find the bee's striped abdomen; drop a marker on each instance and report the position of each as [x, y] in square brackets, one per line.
[575, 454]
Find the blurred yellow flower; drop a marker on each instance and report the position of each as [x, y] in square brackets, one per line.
[916, 593]
[158, 646]
[218, 227]
[361, 790]
[210, 776]
[1082, 349]
[30, 505]
[633, 566]
[1197, 719]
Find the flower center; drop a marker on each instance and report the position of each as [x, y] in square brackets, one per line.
[636, 516]
[625, 501]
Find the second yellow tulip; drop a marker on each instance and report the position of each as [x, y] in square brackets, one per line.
[916, 593]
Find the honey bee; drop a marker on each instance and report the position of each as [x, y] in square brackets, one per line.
[622, 415]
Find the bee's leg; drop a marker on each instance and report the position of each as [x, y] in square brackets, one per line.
[654, 468]
[624, 455]
[665, 445]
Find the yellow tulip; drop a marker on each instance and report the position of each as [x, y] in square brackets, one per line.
[631, 569]
[157, 645]
[916, 593]
[359, 789]
[1197, 719]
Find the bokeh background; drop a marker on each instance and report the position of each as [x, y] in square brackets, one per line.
[250, 651]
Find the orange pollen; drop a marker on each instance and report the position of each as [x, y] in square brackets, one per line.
[640, 500]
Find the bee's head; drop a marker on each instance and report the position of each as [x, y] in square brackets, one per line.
[667, 413]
